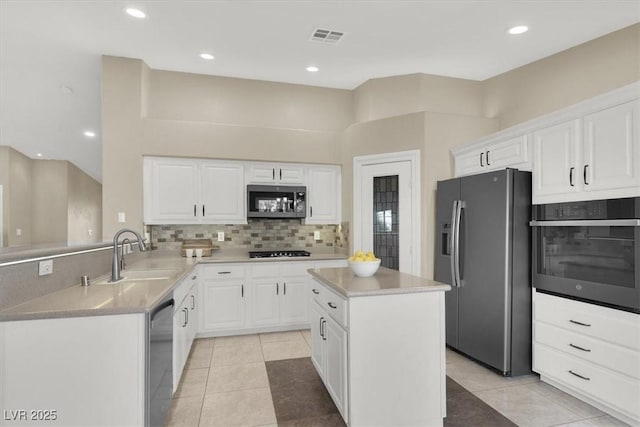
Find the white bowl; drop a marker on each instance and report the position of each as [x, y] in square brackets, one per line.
[364, 268]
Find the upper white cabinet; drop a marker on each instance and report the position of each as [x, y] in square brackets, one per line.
[324, 195]
[191, 191]
[493, 154]
[266, 173]
[596, 156]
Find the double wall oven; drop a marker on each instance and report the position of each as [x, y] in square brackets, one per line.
[589, 250]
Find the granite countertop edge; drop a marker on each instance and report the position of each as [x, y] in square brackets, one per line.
[426, 286]
[15, 313]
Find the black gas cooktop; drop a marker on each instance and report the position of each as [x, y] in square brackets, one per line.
[277, 254]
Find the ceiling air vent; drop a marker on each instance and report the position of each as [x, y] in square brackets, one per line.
[326, 36]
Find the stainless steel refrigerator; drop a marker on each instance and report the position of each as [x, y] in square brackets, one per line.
[483, 251]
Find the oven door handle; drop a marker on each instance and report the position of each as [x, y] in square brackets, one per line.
[588, 223]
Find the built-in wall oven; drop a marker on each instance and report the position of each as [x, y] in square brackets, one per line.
[589, 250]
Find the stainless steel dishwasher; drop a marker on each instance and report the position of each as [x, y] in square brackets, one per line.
[159, 372]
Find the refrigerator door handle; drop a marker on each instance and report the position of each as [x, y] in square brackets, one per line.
[460, 205]
[452, 243]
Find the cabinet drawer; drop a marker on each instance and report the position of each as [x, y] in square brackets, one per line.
[223, 271]
[181, 291]
[618, 391]
[317, 293]
[335, 305]
[266, 270]
[610, 356]
[615, 326]
[296, 269]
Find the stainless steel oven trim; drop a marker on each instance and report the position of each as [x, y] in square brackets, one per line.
[588, 223]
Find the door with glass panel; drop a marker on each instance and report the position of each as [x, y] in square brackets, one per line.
[386, 213]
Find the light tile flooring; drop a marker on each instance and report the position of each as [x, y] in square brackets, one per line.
[225, 383]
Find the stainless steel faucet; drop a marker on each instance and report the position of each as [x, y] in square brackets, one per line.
[115, 264]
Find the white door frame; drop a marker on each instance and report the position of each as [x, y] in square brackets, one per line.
[412, 156]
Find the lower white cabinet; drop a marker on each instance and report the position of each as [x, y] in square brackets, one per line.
[223, 297]
[78, 371]
[185, 324]
[589, 351]
[381, 357]
[243, 298]
[329, 355]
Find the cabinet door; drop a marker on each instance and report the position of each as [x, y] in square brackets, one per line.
[471, 162]
[224, 305]
[324, 196]
[179, 339]
[265, 302]
[262, 173]
[513, 152]
[317, 340]
[611, 149]
[295, 300]
[222, 195]
[555, 155]
[290, 174]
[194, 315]
[336, 364]
[170, 191]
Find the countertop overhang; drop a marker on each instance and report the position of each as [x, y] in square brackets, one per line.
[384, 282]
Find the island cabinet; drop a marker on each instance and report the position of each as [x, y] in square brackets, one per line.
[378, 344]
[589, 351]
[74, 371]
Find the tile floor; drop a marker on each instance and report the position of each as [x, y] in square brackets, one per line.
[263, 380]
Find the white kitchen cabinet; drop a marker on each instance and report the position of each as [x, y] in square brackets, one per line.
[275, 173]
[589, 351]
[492, 154]
[223, 297]
[185, 324]
[279, 293]
[324, 195]
[336, 364]
[193, 191]
[222, 197]
[317, 317]
[89, 371]
[594, 157]
[171, 191]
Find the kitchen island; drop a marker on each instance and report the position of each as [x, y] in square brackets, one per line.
[378, 344]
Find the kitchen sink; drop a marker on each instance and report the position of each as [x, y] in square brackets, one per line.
[140, 275]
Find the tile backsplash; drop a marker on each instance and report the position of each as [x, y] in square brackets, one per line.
[256, 234]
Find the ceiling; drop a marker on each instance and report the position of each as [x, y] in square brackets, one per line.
[50, 69]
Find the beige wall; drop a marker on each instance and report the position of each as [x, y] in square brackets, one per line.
[49, 201]
[84, 207]
[565, 78]
[4, 182]
[19, 210]
[181, 114]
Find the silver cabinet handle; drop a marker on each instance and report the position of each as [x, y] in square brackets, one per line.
[273, 174]
[202, 210]
[193, 302]
[579, 323]
[579, 376]
[487, 157]
[277, 288]
[186, 317]
[315, 291]
[580, 348]
[280, 174]
[194, 210]
[310, 211]
[284, 291]
[320, 328]
[224, 272]
[481, 164]
[194, 277]
[242, 291]
[332, 305]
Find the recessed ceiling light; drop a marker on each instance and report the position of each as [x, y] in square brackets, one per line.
[39, 154]
[312, 69]
[89, 134]
[207, 56]
[518, 29]
[136, 13]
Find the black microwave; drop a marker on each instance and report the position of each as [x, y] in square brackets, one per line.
[589, 250]
[276, 201]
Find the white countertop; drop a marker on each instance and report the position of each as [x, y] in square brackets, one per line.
[384, 282]
[127, 297]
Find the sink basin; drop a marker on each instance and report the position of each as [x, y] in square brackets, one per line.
[138, 275]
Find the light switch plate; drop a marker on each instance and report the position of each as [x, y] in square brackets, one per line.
[316, 235]
[220, 236]
[121, 217]
[45, 267]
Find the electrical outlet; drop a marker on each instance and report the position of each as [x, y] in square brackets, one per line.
[220, 236]
[90, 232]
[45, 267]
[121, 217]
[316, 235]
[18, 231]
